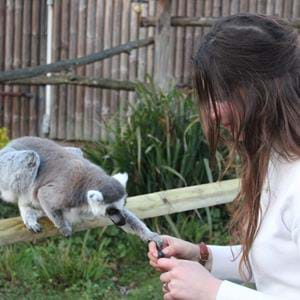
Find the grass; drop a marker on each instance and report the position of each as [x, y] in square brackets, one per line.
[103, 263]
[87, 266]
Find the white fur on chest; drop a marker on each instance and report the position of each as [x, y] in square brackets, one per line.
[22, 199]
[76, 214]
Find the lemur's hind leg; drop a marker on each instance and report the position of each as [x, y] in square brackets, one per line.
[30, 216]
[46, 196]
[18, 169]
[135, 226]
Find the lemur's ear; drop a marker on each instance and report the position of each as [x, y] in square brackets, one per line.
[95, 196]
[122, 178]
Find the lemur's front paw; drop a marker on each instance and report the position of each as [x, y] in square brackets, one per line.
[66, 230]
[155, 237]
[33, 226]
[159, 243]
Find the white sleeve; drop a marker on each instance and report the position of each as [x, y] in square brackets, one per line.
[290, 213]
[225, 262]
[233, 291]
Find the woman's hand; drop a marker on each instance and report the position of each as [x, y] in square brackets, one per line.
[173, 247]
[187, 280]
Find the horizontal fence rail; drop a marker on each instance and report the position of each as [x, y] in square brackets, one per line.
[199, 21]
[12, 230]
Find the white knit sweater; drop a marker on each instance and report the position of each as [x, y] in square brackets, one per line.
[275, 253]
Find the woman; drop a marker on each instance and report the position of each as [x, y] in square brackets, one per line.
[247, 77]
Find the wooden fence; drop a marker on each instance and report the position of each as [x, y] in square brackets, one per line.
[83, 27]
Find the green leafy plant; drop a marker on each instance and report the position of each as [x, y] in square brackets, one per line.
[161, 146]
[3, 137]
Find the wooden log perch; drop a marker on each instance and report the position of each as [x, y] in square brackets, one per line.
[76, 80]
[197, 21]
[145, 206]
[74, 62]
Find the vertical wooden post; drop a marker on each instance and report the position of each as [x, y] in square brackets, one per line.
[133, 35]
[74, 7]
[244, 6]
[279, 8]
[98, 68]
[262, 6]
[42, 60]
[107, 64]
[63, 89]
[225, 8]
[198, 30]
[142, 60]
[179, 52]
[33, 102]
[270, 7]
[188, 42]
[288, 6]
[115, 62]
[173, 40]
[26, 50]
[235, 6]
[2, 52]
[15, 130]
[252, 6]
[56, 47]
[163, 46]
[81, 70]
[90, 45]
[124, 65]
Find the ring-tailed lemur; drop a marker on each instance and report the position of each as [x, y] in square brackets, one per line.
[45, 178]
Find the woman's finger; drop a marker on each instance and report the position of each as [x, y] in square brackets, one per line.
[152, 248]
[151, 257]
[165, 277]
[156, 267]
[167, 263]
[169, 251]
[167, 296]
[153, 264]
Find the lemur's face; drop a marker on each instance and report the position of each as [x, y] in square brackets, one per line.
[112, 209]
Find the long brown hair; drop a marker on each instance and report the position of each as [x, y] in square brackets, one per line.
[252, 63]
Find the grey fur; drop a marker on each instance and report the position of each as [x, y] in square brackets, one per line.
[18, 169]
[44, 178]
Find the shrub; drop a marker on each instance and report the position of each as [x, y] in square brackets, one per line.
[161, 146]
[3, 137]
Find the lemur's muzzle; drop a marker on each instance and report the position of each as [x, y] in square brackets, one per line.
[116, 216]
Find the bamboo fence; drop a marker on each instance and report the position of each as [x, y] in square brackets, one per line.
[82, 27]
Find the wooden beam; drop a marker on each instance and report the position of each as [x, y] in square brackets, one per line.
[163, 44]
[198, 21]
[76, 80]
[71, 63]
[145, 206]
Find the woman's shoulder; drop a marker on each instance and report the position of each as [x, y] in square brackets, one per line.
[285, 167]
[288, 190]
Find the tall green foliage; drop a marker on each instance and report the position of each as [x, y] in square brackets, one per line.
[161, 144]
